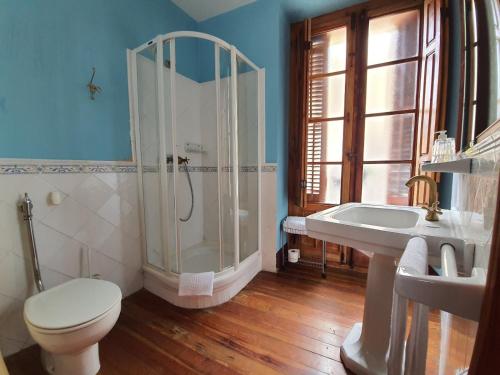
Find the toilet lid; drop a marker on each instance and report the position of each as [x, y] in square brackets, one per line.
[71, 304]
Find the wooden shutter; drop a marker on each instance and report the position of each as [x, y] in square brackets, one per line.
[299, 67]
[316, 107]
[430, 86]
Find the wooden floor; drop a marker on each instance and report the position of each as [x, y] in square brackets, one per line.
[290, 323]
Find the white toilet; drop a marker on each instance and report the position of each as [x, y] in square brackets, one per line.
[69, 320]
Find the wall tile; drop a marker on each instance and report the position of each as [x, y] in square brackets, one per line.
[66, 182]
[53, 278]
[474, 198]
[115, 209]
[69, 217]
[15, 277]
[95, 232]
[92, 193]
[13, 326]
[68, 260]
[122, 248]
[99, 214]
[10, 231]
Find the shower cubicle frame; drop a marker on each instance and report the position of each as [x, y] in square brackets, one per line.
[167, 274]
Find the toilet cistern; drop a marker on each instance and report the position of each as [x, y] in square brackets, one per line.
[433, 209]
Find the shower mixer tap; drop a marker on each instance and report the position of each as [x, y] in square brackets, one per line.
[180, 160]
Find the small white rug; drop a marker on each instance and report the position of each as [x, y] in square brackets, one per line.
[196, 284]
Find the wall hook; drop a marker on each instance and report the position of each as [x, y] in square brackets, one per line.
[93, 89]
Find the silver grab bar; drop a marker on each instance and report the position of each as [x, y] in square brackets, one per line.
[26, 207]
[448, 261]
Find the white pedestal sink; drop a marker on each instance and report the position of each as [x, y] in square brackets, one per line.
[382, 233]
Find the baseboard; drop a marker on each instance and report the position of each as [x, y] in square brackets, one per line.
[283, 252]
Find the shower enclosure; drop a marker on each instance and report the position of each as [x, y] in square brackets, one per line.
[196, 109]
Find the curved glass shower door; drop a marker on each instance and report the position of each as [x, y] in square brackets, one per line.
[248, 158]
[147, 135]
[196, 149]
[197, 141]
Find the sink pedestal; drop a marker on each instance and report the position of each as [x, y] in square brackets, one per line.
[365, 348]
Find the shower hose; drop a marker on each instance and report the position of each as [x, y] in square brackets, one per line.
[186, 170]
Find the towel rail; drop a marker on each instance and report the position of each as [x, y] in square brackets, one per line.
[460, 296]
[448, 261]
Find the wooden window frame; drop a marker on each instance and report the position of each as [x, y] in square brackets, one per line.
[354, 87]
[360, 125]
[344, 21]
[301, 34]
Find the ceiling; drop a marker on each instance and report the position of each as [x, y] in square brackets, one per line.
[201, 10]
[301, 9]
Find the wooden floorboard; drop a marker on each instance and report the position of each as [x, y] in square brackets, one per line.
[293, 322]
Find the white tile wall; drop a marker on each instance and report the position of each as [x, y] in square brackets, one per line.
[474, 197]
[98, 215]
[268, 226]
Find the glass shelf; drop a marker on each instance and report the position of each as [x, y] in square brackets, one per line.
[455, 166]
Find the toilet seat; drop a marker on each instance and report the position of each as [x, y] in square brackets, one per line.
[72, 305]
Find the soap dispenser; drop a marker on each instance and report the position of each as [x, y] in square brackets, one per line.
[443, 149]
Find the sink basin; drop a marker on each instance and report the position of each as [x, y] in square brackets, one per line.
[386, 229]
[379, 216]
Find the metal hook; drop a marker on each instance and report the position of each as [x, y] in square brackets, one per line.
[93, 89]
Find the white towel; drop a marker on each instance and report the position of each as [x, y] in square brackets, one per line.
[295, 224]
[409, 359]
[196, 284]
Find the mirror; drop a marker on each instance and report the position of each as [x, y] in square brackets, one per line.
[480, 55]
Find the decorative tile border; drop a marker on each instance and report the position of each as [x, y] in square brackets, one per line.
[202, 169]
[49, 167]
[19, 169]
[193, 168]
[14, 169]
[269, 168]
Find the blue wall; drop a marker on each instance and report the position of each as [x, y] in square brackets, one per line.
[254, 30]
[47, 51]
[260, 30]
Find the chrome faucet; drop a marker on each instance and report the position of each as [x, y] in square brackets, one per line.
[433, 209]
